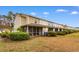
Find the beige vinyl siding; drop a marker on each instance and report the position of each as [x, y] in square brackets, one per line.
[23, 20]
[43, 22]
[33, 20]
[17, 22]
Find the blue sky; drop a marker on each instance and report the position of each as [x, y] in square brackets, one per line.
[61, 14]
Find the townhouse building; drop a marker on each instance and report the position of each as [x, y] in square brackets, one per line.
[35, 25]
[30, 24]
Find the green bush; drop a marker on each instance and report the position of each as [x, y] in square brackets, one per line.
[0, 34]
[18, 36]
[66, 32]
[72, 31]
[20, 29]
[4, 35]
[51, 33]
[61, 33]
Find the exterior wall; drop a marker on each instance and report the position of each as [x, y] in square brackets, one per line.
[53, 29]
[37, 21]
[17, 22]
[23, 20]
[33, 20]
[43, 22]
[44, 30]
[57, 25]
[20, 21]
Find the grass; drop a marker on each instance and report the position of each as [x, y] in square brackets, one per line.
[67, 43]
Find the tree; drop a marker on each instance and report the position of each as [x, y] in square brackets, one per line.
[10, 15]
[11, 18]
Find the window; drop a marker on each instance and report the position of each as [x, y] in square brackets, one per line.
[35, 21]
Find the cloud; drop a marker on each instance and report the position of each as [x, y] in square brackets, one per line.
[45, 13]
[61, 10]
[33, 13]
[74, 12]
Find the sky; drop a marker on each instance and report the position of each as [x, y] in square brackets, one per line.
[67, 15]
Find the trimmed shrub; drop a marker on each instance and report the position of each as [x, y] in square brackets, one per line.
[51, 33]
[20, 29]
[72, 31]
[61, 33]
[0, 34]
[18, 36]
[4, 35]
[69, 31]
[66, 32]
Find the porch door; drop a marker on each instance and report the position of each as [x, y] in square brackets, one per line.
[39, 30]
[50, 29]
[35, 30]
[56, 29]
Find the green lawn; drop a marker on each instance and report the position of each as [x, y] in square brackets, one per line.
[66, 43]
